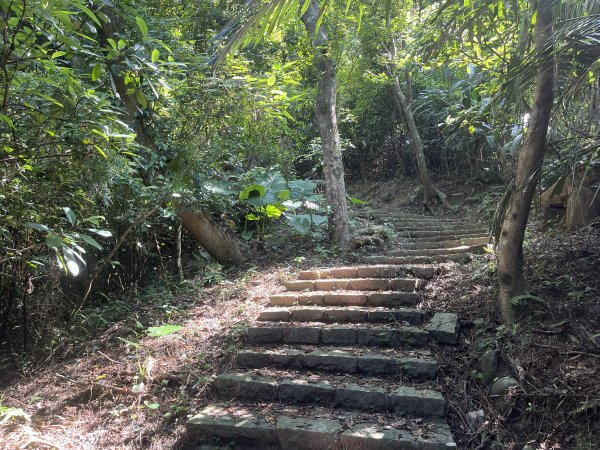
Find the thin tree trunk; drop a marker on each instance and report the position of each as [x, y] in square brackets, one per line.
[326, 118]
[178, 261]
[511, 279]
[404, 105]
[200, 225]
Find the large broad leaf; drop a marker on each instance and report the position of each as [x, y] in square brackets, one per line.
[163, 330]
[253, 192]
[272, 212]
[300, 222]
[301, 189]
[219, 187]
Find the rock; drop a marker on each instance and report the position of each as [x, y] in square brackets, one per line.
[529, 447]
[490, 363]
[474, 417]
[443, 328]
[502, 385]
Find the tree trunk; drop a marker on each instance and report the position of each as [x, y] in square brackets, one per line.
[326, 118]
[510, 252]
[404, 105]
[220, 242]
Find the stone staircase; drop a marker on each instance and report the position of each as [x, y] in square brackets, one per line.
[341, 359]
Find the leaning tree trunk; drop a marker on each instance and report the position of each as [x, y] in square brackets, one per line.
[326, 118]
[222, 244]
[404, 104]
[510, 252]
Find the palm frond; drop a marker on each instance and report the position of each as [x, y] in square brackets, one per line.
[256, 20]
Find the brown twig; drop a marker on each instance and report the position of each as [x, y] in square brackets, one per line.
[120, 390]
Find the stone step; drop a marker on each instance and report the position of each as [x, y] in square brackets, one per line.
[356, 284]
[371, 394]
[444, 234]
[445, 237]
[315, 334]
[234, 425]
[404, 217]
[440, 227]
[478, 249]
[348, 314]
[460, 258]
[426, 245]
[379, 271]
[345, 298]
[406, 367]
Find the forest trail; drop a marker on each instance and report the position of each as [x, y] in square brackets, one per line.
[342, 359]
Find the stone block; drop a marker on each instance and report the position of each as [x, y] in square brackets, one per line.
[331, 361]
[392, 299]
[307, 315]
[274, 315]
[264, 335]
[249, 359]
[246, 387]
[344, 299]
[359, 397]
[305, 434]
[339, 336]
[291, 358]
[283, 300]
[424, 402]
[252, 432]
[418, 368]
[395, 315]
[303, 391]
[443, 328]
[301, 335]
[343, 315]
[376, 364]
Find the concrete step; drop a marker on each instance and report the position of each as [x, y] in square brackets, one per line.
[346, 298]
[380, 271]
[404, 367]
[442, 328]
[444, 234]
[372, 394]
[445, 237]
[440, 227]
[478, 249]
[234, 425]
[347, 314]
[356, 284]
[320, 334]
[426, 245]
[382, 216]
[460, 258]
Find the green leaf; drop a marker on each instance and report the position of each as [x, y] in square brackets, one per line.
[357, 201]
[253, 191]
[53, 241]
[8, 120]
[155, 55]
[90, 241]
[87, 11]
[163, 330]
[151, 405]
[101, 233]
[71, 217]
[142, 25]
[58, 54]
[37, 226]
[96, 72]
